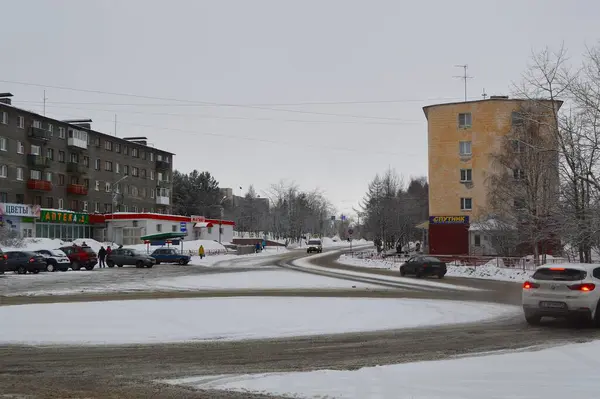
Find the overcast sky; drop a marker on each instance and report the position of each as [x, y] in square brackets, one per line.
[388, 58]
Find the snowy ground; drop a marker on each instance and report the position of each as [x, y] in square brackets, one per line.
[489, 271]
[553, 373]
[305, 263]
[179, 320]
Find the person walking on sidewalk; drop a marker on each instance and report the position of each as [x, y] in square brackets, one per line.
[102, 256]
[201, 251]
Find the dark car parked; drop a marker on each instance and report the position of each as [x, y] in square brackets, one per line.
[170, 255]
[422, 266]
[25, 261]
[81, 257]
[126, 256]
[2, 261]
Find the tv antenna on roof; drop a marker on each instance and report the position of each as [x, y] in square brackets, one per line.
[484, 94]
[464, 76]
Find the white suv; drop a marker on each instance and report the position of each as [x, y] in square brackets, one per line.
[563, 290]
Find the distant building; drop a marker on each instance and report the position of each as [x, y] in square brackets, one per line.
[462, 137]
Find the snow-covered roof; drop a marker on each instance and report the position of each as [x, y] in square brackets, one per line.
[491, 225]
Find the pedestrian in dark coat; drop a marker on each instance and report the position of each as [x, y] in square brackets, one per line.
[102, 256]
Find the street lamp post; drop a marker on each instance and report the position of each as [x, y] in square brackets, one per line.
[221, 219]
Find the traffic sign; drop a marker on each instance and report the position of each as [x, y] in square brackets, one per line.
[183, 227]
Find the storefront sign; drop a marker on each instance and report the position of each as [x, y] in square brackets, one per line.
[50, 216]
[448, 219]
[198, 219]
[20, 210]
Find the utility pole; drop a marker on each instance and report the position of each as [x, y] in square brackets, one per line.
[464, 76]
[115, 125]
[484, 94]
[45, 102]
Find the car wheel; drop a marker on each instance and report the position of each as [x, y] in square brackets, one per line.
[35, 271]
[157, 262]
[64, 269]
[441, 275]
[21, 270]
[119, 265]
[75, 266]
[110, 263]
[402, 272]
[182, 262]
[89, 267]
[50, 268]
[533, 319]
[139, 264]
[149, 266]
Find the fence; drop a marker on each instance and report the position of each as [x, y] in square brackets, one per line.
[525, 263]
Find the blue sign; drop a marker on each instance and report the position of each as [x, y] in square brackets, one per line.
[183, 227]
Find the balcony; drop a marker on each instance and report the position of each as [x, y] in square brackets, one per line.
[38, 133]
[77, 189]
[163, 183]
[77, 143]
[38, 161]
[39, 185]
[162, 200]
[162, 165]
[75, 168]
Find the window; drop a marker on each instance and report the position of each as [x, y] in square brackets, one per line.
[151, 157]
[84, 205]
[50, 128]
[162, 192]
[127, 189]
[107, 187]
[518, 174]
[174, 228]
[74, 180]
[61, 156]
[37, 124]
[134, 191]
[125, 150]
[50, 153]
[108, 166]
[152, 193]
[48, 176]
[159, 158]
[4, 118]
[167, 159]
[3, 171]
[19, 173]
[144, 192]
[159, 228]
[151, 175]
[20, 148]
[86, 161]
[117, 167]
[97, 141]
[143, 154]
[143, 173]
[61, 132]
[166, 177]
[3, 197]
[107, 208]
[35, 175]
[159, 176]
[108, 145]
[135, 171]
[3, 144]
[74, 157]
[96, 207]
[37, 200]
[86, 183]
[35, 150]
[125, 169]
[466, 175]
[464, 148]
[477, 240]
[466, 204]
[134, 208]
[74, 205]
[117, 147]
[50, 202]
[517, 118]
[20, 198]
[134, 152]
[97, 186]
[97, 166]
[464, 120]
[61, 180]
[21, 122]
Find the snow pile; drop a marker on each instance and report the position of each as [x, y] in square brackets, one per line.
[332, 243]
[34, 244]
[168, 320]
[553, 373]
[95, 245]
[493, 270]
[370, 262]
[210, 247]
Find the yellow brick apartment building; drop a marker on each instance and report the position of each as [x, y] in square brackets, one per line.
[461, 138]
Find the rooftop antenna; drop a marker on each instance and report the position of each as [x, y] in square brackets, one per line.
[484, 94]
[115, 125]
[45, 98]
[464, 76]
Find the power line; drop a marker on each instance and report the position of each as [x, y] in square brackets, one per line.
[195, 102]
[398, 123]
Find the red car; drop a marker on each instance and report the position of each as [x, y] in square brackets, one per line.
[81, 257]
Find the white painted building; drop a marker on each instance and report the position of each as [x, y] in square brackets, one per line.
[126, 228]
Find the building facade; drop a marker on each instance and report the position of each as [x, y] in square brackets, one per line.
[462, 139]
[67, 166]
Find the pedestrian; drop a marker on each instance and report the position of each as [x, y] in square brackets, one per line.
[120, 246]
[102, 256]
[108, 250]
[84, 244]
[257, 247]
[201, 251]
[418, 247]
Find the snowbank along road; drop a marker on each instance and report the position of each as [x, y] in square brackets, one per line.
[131, 371]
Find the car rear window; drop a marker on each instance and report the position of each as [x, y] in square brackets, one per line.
[89, 250]
[559, 274]
[431, 259]
[312, 242]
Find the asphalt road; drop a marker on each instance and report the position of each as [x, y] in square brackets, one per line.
[129, 371]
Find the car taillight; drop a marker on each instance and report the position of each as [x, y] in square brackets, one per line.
[425, 265]
[31, 260]
[586, 287]
[527, 285]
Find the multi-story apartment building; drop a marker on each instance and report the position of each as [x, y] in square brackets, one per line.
[65, 165]
[462, 138]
